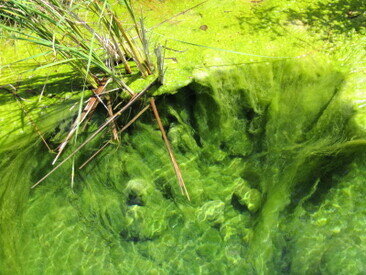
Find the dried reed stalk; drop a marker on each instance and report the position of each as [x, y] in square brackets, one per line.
[89, 108]
[124, 108]
[177, 170]
[119, 132]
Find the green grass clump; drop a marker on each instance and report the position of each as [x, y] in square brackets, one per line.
[62, 28]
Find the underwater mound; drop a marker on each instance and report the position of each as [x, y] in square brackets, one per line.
[273, 159]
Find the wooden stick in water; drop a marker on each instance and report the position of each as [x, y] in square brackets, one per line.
[26, 114]
[177, 170]
[120, 131]
[110, 114]
[89, 108]
[124, 108]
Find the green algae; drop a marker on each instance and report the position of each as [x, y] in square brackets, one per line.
[271, 152]
[329, 228]
[131, 217]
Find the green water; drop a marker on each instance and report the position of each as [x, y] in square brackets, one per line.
[269, 173]
[272, 153]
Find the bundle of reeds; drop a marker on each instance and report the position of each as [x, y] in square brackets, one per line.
[93, 40]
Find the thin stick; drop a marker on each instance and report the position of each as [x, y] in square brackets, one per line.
[38, 131]
[178, 14]
[120, 131]
[110, 114]
[90, 107]
[26, 113]
[133, 100]
[94, 155]
[160, 55]
[177, 170]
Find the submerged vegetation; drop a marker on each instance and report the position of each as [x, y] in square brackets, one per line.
[261, 109]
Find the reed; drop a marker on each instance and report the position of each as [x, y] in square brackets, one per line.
[93, 40]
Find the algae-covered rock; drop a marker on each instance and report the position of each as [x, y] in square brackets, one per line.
[211, 212]
[237, 229]
[247, 196]
[137, 191]
[144, 219]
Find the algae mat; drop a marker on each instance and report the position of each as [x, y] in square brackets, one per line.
[265, 113]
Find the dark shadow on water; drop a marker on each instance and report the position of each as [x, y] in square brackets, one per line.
[329, 17]
[340, 16]
[52, 86]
